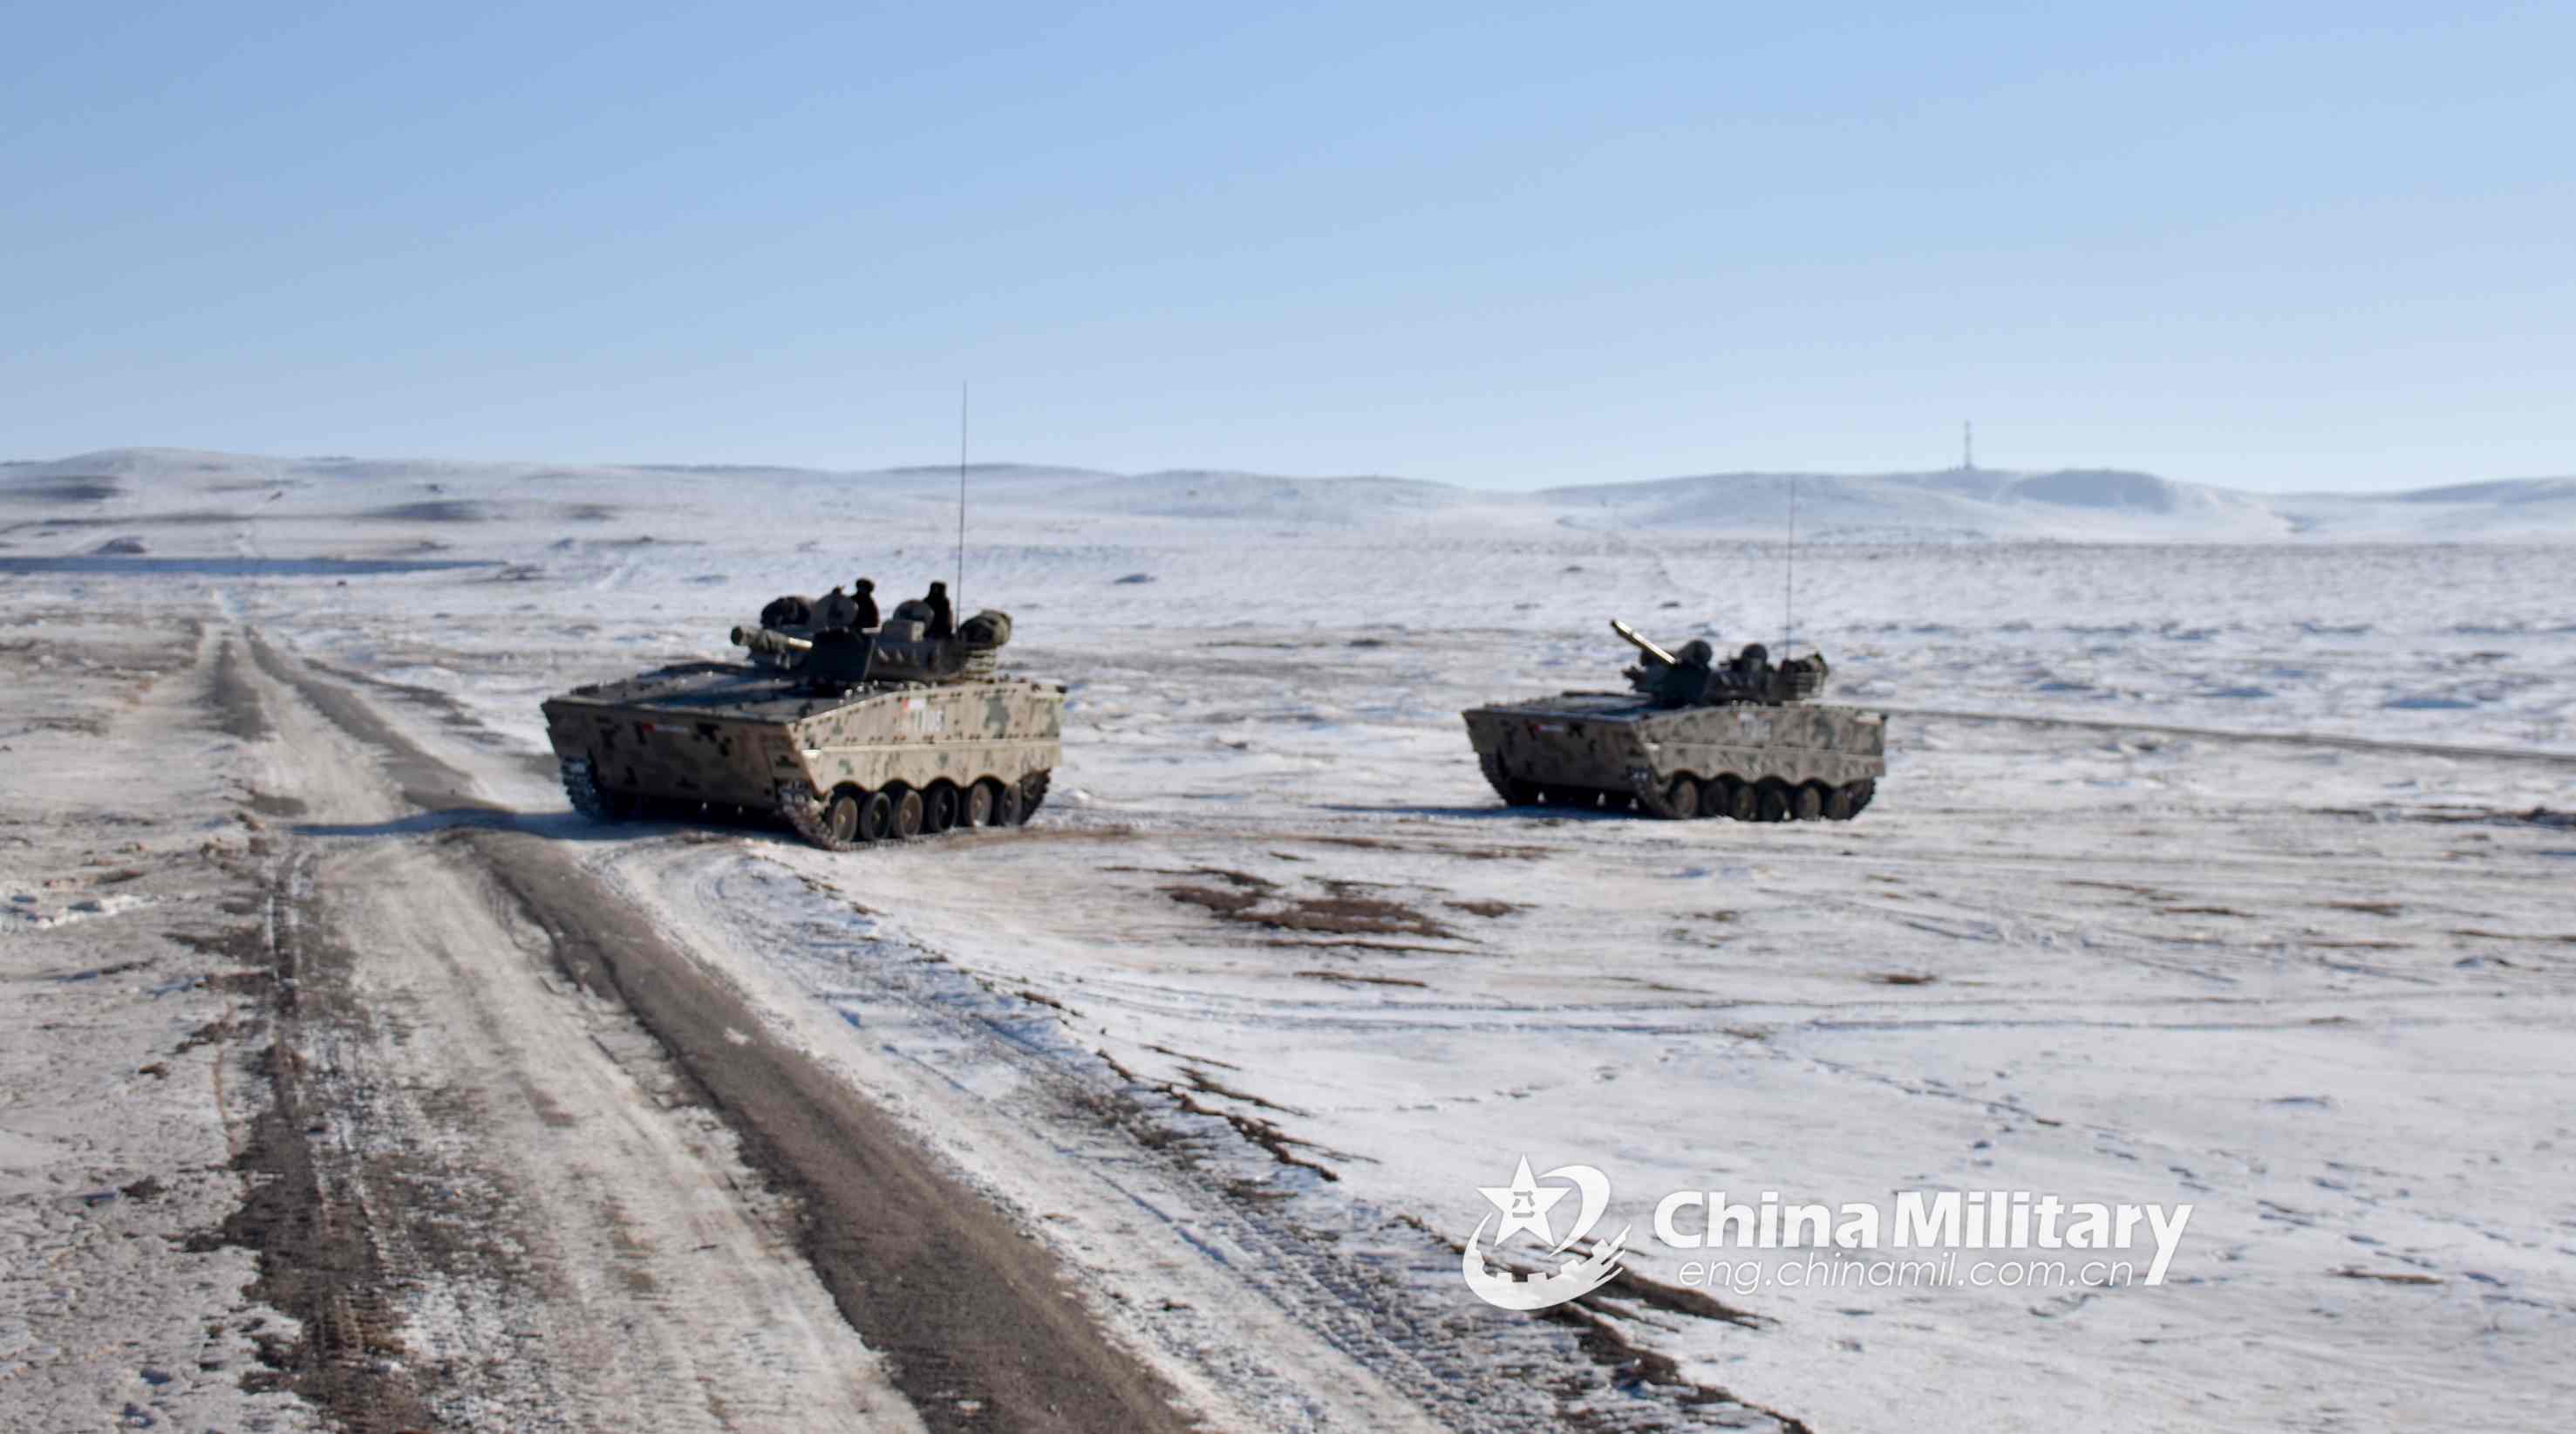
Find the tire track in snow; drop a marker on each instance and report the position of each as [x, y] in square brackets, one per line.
[970, 1315]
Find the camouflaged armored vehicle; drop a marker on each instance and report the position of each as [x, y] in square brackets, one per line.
[852, 737]
[1693, 738]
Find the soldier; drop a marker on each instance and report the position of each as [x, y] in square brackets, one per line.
[865, 592]
[788, 611]
[1686, 680]
[835, 610]
[1751, 669]
[943, 623]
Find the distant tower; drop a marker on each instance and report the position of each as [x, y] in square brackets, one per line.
[1968, 447]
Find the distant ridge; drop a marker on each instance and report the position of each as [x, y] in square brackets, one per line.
[1944, 505]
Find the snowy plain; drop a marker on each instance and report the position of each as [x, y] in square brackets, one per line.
[2105, 932]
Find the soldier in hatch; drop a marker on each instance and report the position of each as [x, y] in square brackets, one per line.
[864, 593]
[1677, 683]
[943, 622]
[1751, 669]
[1686, 681]
[788, 611]
[835, 609]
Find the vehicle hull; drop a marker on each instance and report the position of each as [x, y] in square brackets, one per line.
[730, 733]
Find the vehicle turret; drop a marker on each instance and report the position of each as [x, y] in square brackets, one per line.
[1694, 678]
[838, 658]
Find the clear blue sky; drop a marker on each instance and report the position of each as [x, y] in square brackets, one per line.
[2276, 246]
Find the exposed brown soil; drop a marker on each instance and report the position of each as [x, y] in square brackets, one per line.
[321, 1255]
[1201, 1081]
[2386, 1277]
[1126, 1114]
[1337, 914]
[2148, 892]
[1349, 978]
[2535, 816]
[1342, 945]
[1469, 853]
[1223, 903]
[1354, 916]
[1241, 880]
[1194, 1060]
[237, 710]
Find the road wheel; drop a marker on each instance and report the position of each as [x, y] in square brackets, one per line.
[1861, 792]
[978, 808]
[600, 804]
[1743, 804]
[903, 808]
[1807, 804]
[938, 808]
[1712, 799]
[841, 818]
[1772, 801]
[1006, 805]
[1033, 790]
[876, 817]
[1838, 804]
[1682, 798]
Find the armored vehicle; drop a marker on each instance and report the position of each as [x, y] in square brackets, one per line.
[1693, 737]
[852, 737]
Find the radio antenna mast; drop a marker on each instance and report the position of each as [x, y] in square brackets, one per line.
[958, 603]
[1789, 579]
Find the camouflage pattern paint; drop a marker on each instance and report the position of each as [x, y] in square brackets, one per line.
[720, 732]
[1771, 757]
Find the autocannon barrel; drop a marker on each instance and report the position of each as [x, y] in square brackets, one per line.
[1642, 645]
[761, 639]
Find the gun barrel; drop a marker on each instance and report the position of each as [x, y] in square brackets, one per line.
[761, 639]
[1642, 645]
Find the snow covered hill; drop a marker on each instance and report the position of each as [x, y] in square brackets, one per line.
[158, 485]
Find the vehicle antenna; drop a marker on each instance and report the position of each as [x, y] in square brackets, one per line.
[958, 604]
[1789, 579]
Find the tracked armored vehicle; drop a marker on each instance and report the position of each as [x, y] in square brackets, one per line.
[1692, 737]
[851, 737]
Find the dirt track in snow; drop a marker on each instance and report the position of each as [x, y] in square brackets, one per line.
[969, 1318]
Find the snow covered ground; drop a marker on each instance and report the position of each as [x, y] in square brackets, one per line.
[2105, 933]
